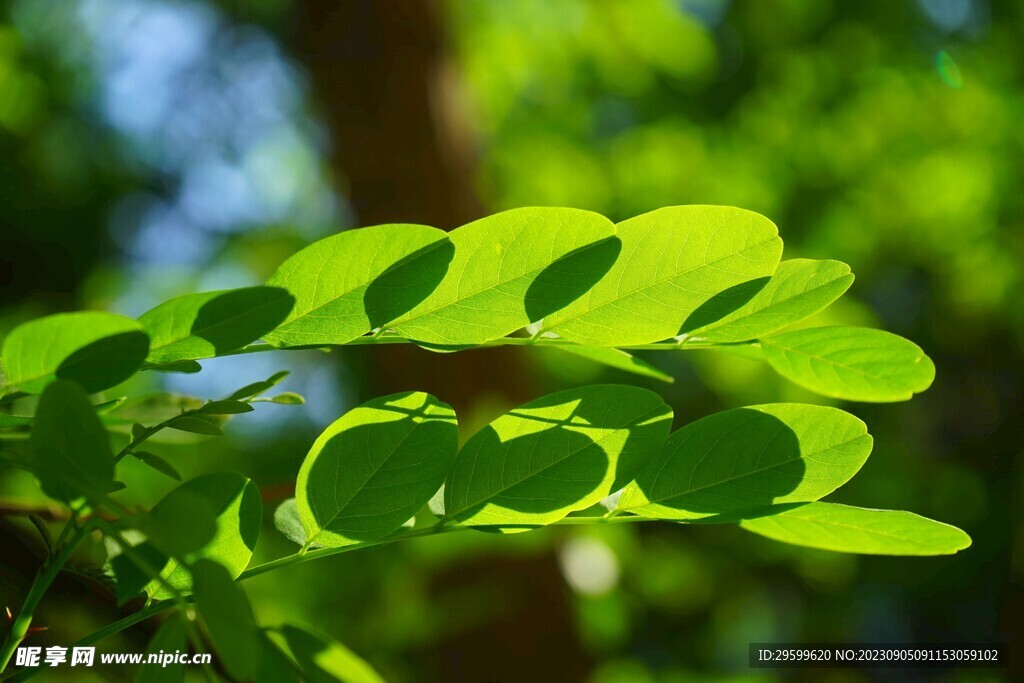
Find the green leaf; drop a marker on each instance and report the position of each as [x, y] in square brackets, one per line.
[209, 324]
[184, 367]
[288, 398]
[275, 665]
[70, 447]
[226, 407]
[350, 283]
[375, 467]
[257, 388]
[561, 453]
[216, 516]
[157, 463]
[739, 460]
[195, 425]
[96, 350]
[171, 637]
[324, 660]
[674, 261]
[798, 289]
[509, 270]
[288, 522]
[853, 363]
[847, 529]
[229, 620]
[14, 421]
[618, 359]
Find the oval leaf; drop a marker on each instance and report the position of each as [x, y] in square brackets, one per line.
[847, 529]
[739, 460]
[375, 467]
[509, 270]
[798, 289]
[96, 350]
[324, 660]
[350, 283]
[674, 261]
[228, 618]
[70, 447]
[618, 359]
[209, 324]
[561, 453]
[853, 363]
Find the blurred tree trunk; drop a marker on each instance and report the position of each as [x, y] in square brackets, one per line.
[402, 145]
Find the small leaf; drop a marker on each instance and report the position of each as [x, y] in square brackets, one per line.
[138, 431]
[618, 359]
[798, 289]
[184, 367]
[288, 398]
[96, 350]
[226, 407]
[157, 463]
[853, 363]
[847, 529]
[14, 421]
[108, 406]
[171, 637]
[558, 454]
[347, 284]
[257, 388]
[70, 447]
[195, 425]
[375, 467]
[288, 522]
[739, 460]
[674, 261]
[228, 618]
[509, 270]
[323, 660]
[209, 324]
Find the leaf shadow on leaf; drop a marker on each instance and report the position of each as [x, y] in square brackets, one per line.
[570, 277]
[385, 512]
[240, 316]
[565, 481]
[407, 282]
[105, 362]
[723, 303]
[729, 449]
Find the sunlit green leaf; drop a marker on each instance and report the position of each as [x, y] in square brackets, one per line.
[375, 467]
[847, 529]
[854, 363]
[798, 289]
[324, 660]
[70, 448]
[208, 324]
[744, 459]
[618, 359]
[674, 261]
[257, 388]
[509, 270]
[226, 407]
[96, 350]
[229, 620]
[288, 522]
[547, 458]
[350, 283]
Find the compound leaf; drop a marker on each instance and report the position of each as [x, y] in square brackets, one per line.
[96, 350]
[740, 460]
[853, 363]
[229, 620]
[561, 453]
[350, 283]
[70, 447]
[798, 289]
[673, 262]
[375, 467]
[509, 270]
[848, 529]
[208, 324]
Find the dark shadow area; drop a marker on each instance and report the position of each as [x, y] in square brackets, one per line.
[570, 277]
[105, 362]
[560, 465]
[405, 284]
[241, 316]
[736, 461]
[723, 303]
[181, 526]
[414, 452]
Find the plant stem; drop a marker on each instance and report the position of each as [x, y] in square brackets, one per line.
[47, 573]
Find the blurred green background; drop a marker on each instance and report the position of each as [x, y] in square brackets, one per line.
[155, 147]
